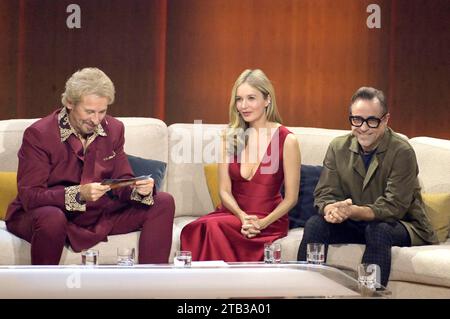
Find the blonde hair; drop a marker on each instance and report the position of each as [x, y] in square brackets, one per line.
[237, 126]
[88, 81]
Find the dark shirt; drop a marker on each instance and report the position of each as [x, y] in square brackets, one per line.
[367, 157]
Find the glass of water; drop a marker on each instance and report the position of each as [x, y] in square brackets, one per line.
[369, 275]
[125, 256]
[315, 253]
[272, 253]
[183, 258]
[89, 257]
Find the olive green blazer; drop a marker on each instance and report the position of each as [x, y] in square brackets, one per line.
[390, 186]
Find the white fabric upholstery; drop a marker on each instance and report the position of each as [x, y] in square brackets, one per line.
[433, 155]
[190, 148]
[15, 251]
[144, 137]
[178, 225]
[424, 269]
[314, 142]
[147, 138]
[11, 133]
[410, 290]
[422, 264]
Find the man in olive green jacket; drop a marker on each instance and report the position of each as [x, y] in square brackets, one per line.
[368, 191]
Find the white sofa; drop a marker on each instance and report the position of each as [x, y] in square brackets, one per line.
[416, 271]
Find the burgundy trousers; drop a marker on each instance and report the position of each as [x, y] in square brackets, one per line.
[45, 228]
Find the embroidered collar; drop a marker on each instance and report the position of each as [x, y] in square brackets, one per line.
[65, 129]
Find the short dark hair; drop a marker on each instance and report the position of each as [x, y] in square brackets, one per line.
[369, 93]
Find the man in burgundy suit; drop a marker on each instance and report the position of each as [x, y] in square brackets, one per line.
[63, 159]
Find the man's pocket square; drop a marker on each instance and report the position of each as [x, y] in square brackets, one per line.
[107, 158]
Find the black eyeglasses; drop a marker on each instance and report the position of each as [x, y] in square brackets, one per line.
[372, 121]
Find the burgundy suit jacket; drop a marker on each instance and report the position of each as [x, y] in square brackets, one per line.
[47, 165]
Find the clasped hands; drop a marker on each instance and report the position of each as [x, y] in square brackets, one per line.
[93, 191]
[338, 212]
[252, 226]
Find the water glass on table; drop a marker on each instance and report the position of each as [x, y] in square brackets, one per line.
[272, 253]
[315, 253]
[369, 275]
[125, 256]
[89, 257]
[183, 258]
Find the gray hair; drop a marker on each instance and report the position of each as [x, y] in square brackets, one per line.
[369, 93]
[88, 81]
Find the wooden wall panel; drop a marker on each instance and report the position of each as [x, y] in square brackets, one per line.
[177, 59]
[421, 67]
[8, 54]
[317, 53]
[121, 37]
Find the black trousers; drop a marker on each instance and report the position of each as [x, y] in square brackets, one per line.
[378, 237]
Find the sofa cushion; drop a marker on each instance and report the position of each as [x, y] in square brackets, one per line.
[314, 142]
[8, 191]
[178, 224]
[290, 244]
[13, 250]
[438, 210]
[433, 156]
[429, 264]
[11, 135]
[212, 180]
[16, 251]
[146, 137]
[304, 209]
[190, 147]
[142, 166]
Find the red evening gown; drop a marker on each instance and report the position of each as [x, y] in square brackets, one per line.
[217, 236]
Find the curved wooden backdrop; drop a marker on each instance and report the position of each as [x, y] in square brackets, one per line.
[178, 59]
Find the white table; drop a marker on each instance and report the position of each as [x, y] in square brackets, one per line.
[239, 280]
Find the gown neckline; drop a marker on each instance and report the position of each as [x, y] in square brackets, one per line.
[262, 160]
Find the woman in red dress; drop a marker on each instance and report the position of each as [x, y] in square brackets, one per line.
[259, 155]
